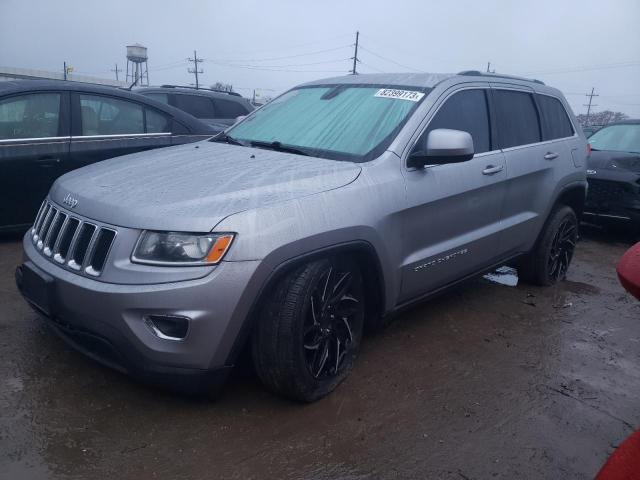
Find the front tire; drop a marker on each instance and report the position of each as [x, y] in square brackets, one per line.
[548, 262]
[309, 331]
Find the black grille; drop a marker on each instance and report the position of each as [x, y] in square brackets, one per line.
[54, 231]
[101, 250]
[72, 242]
[44, 229]
[604, 192]
[69, 232]
[82, 245]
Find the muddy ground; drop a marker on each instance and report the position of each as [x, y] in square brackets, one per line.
[488, 381]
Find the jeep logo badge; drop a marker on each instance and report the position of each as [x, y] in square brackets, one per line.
[70, 201]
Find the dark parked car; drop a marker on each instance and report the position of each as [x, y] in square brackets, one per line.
[50, 127]
[614, 174]
[219, 109]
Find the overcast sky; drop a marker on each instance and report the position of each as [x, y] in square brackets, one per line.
[272, 46]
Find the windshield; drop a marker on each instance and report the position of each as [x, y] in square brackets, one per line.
[342, 122]
[618, 138]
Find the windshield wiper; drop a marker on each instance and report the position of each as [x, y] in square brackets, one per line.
[279, 147]
[222, 137]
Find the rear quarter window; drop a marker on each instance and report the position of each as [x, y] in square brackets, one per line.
[555, 121]
[229, 108]
[517, 118]
[197, 105]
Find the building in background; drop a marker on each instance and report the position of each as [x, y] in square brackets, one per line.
[13, 73]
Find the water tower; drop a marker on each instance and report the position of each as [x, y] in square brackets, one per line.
[137, 68]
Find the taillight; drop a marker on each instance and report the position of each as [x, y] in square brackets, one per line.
[588, 149]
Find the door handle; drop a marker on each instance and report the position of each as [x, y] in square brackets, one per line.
[551, 156]
[47, 161]
[492, 169]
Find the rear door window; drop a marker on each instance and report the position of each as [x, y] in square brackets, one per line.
[229, 108]
[35, 115]
[517, 118]
[197, 105]
[467, 111]
[156, 122]
[103, 115]
[555, 121]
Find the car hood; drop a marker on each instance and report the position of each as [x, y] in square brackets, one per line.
[610, 160]
[193, 187]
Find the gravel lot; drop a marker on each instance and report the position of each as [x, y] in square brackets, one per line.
[487, 381]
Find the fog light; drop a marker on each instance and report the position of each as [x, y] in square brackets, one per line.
[168, 327]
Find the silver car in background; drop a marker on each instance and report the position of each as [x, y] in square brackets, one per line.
[306, 224]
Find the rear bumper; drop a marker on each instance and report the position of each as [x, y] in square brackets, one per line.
[107, 321]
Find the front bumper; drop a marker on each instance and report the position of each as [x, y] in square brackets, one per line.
[106, 321]
[613, 197]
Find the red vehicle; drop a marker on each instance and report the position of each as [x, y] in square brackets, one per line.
[629, 270]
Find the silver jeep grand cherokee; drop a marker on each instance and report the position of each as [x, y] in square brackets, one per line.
[310, 221]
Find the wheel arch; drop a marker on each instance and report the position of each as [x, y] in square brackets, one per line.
[373, 276]
[574, 196]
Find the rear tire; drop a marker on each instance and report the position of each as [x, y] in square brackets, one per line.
[548, 262]
[309, 331]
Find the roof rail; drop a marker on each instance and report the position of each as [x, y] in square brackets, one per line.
[477, 73]
[235, 94]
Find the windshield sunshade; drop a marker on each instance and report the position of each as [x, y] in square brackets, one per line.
[340, 122]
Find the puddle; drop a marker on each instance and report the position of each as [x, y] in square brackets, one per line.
[504, 276]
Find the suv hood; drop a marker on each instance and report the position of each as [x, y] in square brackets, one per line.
[610, 160]
[193, 187]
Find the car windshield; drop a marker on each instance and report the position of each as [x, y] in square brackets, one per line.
[618, 138]
[342, 122]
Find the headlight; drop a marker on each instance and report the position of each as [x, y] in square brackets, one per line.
[176, 248]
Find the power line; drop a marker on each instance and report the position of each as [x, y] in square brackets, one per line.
[287, 56]
[195, 70]
[389, 59]
[268, 69]
[293, 47]
[372, 67]
[231, 64]
[585, 68]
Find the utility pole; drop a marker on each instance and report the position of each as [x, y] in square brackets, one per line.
[589, 105]
[65, 70]
[195, 70]
[489, 68]
[355, 56]
[116, 70]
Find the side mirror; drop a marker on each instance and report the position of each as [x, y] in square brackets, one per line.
[443, 146]
[239, 119]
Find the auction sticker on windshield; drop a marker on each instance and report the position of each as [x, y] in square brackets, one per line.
[410, 95]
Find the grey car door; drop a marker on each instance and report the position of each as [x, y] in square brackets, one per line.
[34, 144]
[531, 164]
[452, 224]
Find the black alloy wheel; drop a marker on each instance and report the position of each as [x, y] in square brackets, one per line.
[335, 305]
